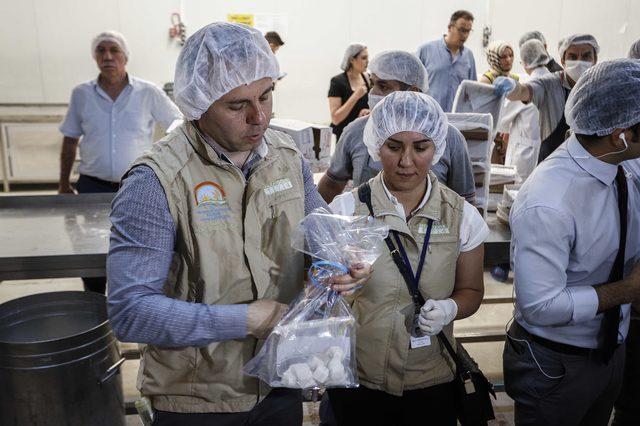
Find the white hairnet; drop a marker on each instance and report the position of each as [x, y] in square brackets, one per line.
[532, 35]
[533, 54]
[217, 59]
[606, 97]
[406, 112]
[352, 51]
[112, 36]
[401, 66]
[574, 39]
[634, 52]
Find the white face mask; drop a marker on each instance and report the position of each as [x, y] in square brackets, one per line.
[575, 69]
[373, 100]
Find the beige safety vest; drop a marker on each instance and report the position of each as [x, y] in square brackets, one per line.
[232, 246]
[384, 310]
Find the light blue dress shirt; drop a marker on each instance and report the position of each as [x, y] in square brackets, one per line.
[114, 133]
[446, 71]
[565, 234]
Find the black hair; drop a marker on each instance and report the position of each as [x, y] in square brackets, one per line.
[404, 86]
[635, 129]
[464, 14]
[274, 38]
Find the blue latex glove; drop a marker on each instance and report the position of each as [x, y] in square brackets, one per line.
[503, 85]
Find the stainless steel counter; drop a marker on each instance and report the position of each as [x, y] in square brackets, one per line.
[57, 236]
[30, 143]
[54, 236]
[32, 113]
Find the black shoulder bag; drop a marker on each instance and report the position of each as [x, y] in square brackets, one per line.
[473, 404]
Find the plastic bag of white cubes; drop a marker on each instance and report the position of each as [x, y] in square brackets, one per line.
[313, 345]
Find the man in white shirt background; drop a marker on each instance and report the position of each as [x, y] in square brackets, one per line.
[112, 119]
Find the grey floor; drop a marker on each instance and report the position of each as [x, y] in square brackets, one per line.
[488, 355]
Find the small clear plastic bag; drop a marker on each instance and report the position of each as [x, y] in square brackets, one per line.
[313, 345]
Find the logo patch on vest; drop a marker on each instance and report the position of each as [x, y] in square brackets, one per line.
[436, 229]
[209, 192]
[439, 229]
[278, 185]
[212, 209]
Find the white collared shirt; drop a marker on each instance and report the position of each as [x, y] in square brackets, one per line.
[473, 229]
[565, 229]
[398, 205]
[114, 133]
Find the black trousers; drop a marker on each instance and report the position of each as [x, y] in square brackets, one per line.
[553, 388]
[627, 407]
[85, 185]
[282, 407]
[362, 406]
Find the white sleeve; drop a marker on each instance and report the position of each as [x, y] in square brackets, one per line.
[473, 230]
[71, 126]
[344, 204]
[164, 110]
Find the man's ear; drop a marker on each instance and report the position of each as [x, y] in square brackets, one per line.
[617, 139]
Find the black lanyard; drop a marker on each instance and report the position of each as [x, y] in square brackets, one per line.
[403, 264]
[414, 282]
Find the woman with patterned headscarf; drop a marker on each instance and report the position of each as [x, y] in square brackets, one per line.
[500, 58]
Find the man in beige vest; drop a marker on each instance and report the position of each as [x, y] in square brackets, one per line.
[200, 264]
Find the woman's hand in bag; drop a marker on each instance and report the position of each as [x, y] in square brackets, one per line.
[357, 278]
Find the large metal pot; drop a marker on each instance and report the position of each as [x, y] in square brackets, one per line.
[59, 362]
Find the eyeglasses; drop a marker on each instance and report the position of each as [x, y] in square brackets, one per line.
[463, 31]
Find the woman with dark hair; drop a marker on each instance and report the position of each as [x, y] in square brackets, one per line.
[348, 91]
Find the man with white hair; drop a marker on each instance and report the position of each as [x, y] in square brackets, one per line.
[576, 255]
[112, 118]
[391, 71]
[200, 264]
[549, 93]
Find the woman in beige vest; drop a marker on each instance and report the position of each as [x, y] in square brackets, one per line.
[405, 377]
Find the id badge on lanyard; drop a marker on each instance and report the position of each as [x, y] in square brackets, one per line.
[417, 340]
